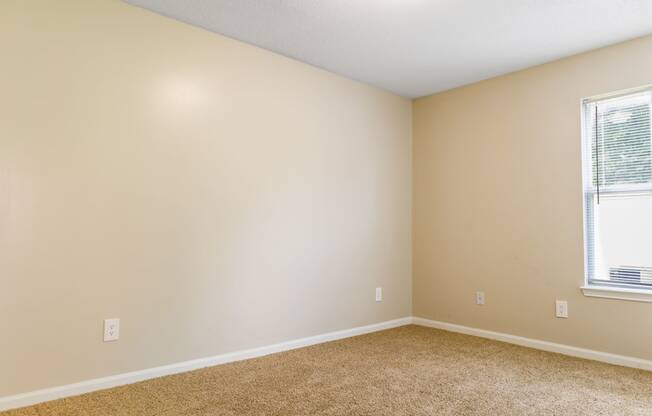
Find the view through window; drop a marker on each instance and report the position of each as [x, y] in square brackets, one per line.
[618, 190]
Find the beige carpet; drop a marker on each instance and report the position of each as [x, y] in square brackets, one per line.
[405, 371]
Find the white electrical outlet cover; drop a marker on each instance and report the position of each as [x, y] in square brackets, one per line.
[479, 298]
[111, 329]
[379, 294]
[561, 309]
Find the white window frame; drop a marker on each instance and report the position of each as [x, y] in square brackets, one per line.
[593, 290]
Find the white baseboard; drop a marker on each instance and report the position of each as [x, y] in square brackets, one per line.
[39, 396]
[604, 357]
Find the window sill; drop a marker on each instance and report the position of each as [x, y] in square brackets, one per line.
[634, 295]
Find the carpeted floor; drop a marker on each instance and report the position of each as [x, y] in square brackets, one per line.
[405, 371]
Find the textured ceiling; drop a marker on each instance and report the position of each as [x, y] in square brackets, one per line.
[418, 47]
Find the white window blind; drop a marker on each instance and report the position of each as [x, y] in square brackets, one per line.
[618, 190]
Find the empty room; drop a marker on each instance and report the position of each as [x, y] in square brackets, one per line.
[335, 207]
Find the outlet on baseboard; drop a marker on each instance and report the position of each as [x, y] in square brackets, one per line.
[561, 309]
[111, 329]
[379, 294]
[479, 298]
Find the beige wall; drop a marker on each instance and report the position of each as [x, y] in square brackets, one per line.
[498, 203]
[212, 195]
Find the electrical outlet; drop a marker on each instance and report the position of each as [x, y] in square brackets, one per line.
[561, 309]
[479, 298]
[111, 329]
[379, 294]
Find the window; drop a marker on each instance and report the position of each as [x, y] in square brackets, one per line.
[618, 192]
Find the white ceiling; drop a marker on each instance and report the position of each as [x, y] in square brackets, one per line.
[418, 47]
